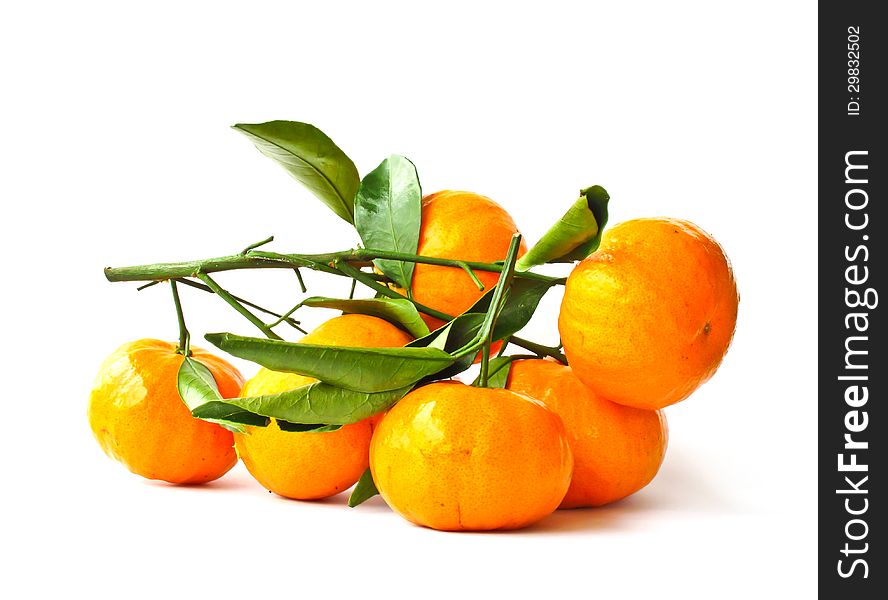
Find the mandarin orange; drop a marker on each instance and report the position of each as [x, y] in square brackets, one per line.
[138, 418]
[312, 465]
[617, 449]
[649, 316]
[455, 457]
[459, 226]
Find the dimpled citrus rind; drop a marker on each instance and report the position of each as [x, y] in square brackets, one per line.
[138, 418]
[459, 226]
[617, 449]
[454, 457]
[647, 318]
[305, 465]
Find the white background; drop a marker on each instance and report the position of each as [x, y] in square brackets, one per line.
[116, 150]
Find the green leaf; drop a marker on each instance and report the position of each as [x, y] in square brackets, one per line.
[521, 302]
[397, 311]
[575, 236]
[199, 391]
[307, 427]
[357, 369]
[388, 211]
[313, 404]
[450, 338]
[196, 384]
[364, 490]
[497, 372]
[312, 159]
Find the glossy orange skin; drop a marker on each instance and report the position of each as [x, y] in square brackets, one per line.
[459, 458]
[617, 449]
[306, 465]
[459, 226]
[648, 317]
[138, 418]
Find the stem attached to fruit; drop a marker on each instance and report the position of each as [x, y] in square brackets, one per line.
[184, 336]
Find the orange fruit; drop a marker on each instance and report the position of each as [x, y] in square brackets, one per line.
[309, 465]
[617, 449]
[455, 457]
[459, 226]
[138, 418]
[649, 316]
[305, 465]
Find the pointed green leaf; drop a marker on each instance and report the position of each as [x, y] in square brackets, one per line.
[364, 490]
[307, 427]
[388, 211]
[313, 404]
[200, 393]
[575, 236]
[196, 384]
[524, 297]
[450, 338]
[497, 372]
[311, 158]
[522, 300]
[357, 369]
[501, 304]
[397, 311]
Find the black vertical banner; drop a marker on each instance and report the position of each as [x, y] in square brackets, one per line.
[853, 366]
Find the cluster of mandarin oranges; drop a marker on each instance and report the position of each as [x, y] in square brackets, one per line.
[644, 321]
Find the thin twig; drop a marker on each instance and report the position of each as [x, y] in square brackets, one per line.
[148, 285]
[539, 349]
[286, 316]
[471, 273]
[291, 322]
[222, 293]
[386, 291]
[256, 245]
